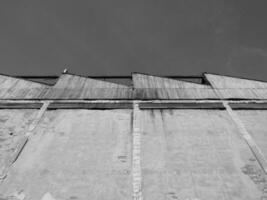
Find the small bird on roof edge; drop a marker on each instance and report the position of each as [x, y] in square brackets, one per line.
[65, 71]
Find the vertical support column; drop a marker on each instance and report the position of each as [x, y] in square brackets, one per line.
[247, 137]
[22, 141]
[136, 154]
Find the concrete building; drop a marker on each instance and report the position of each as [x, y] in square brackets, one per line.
[145, 137]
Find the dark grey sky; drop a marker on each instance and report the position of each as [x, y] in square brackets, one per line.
[116, 37]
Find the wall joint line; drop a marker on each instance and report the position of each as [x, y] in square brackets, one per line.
[136, 154]
[247, 137]
[22, 141]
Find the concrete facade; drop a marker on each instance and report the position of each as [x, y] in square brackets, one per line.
[120, 146]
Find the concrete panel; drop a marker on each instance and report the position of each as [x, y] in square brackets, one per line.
[255, 122]
[71, 86]
[13, 124]
[197, 154]
[76, 154]
[16, 88]
[150, 81]
[237, 88]
[153, 87]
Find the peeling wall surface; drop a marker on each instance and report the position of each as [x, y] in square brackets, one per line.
[158, 139]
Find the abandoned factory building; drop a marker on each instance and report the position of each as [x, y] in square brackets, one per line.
[142, 137]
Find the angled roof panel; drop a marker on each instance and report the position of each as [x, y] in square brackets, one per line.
[219, 81]
[148, 81]
[71, 86]
[153, 87]
[240, 88]
[16, 88]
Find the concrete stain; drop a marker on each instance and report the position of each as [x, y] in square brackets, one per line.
[162, 115]
[3, 120]
[152, 114]
[45, 172]
[73, 197]
[257, 176]
[171, 195]
[3, 139]
[61, 133]
[122, 158]
[169, 111]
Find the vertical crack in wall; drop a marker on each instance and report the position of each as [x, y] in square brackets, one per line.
[136, 154]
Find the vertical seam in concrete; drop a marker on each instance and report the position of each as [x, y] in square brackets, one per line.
[22, 141]
[247, 137]
[38, 118]
[136, 154]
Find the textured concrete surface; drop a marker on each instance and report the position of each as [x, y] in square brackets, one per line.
[13, 124]
[197, 154]
[184, 155]
[255, 122]
[76, 154]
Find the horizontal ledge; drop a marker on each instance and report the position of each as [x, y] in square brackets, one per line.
[85, 105]
[128, 104]
[190, 105]
[248, 106]
[18, 105]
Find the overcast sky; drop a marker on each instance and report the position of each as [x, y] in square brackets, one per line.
[117, 37]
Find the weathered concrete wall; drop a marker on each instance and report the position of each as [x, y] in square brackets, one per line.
[13, 124]
[76, 154]
[186, 154]
[255, 122]
[153, 87]
[196, 154]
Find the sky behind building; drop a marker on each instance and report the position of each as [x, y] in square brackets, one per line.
[103, 37]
